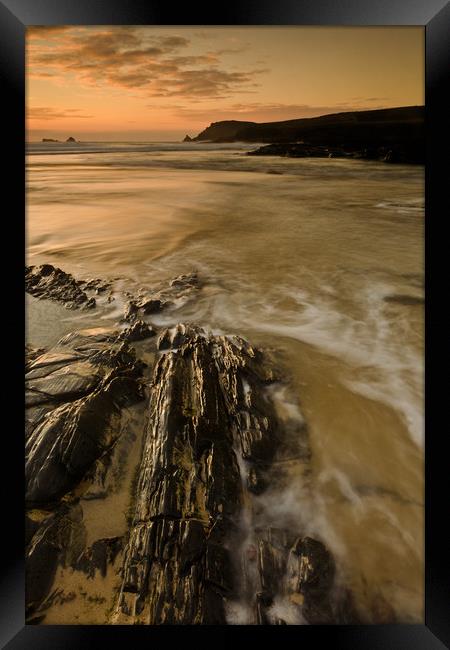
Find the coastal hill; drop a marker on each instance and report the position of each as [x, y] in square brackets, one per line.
[227, 131]
[339, 127]
[400, 130]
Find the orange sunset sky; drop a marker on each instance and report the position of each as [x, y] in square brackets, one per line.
[159, 83]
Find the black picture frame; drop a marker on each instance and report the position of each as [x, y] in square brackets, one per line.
[433, 15]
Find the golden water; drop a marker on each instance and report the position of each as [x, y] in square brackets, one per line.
[301, 260]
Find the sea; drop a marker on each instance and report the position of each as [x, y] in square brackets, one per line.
[320, 260]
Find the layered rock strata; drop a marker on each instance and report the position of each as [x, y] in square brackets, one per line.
[207, 443]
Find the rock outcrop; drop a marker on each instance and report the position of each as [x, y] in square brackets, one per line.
[49, 282]
[74, 394]
[209, 441]
[395, 153]
[180, 290]
[177, 564]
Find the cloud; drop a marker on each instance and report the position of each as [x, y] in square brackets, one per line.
[47, 113]
[210, 82]
[370, 99]
[139, 59]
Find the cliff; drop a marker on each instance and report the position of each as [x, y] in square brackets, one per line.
[227, 131]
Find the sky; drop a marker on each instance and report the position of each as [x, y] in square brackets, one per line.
[160, 83]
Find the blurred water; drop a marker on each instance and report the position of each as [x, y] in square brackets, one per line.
[301, 255]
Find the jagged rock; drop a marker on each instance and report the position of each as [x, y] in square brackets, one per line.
[63, 447]
[174, 337]
[90, 304]
[403, 153]
[75, 366]
[49, 282]
[303, 572]
[186, 280]
[311, 572]
[31, 354]
[95, 284]
[136, 308]
[60, 539]
[263, 602]
[77, 390]
[212, 398]
[138, 331]
[402, 299]
[187, 139]
[97, 557]
[177, 567]
[181, 288]
[272, 562]
[75, 393]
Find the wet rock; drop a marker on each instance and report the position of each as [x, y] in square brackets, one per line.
[131, 311]
[256, 480]
[49, 282]
[33, 521]
[75, 395]
[90, 304]
[63, 447]
[75, 366]
[272, 561]
[407, 152]
[299, 574]
[31, 354]
[58, 541]
[211, 398]
[174, 337]
[151, 305]
[311, 572]
[57, 378]
[138, 331]
[179, 290]
[263, 602]
[135, 309]
[99, 556]
[402, 299]
[95, 284]
[177, 568]
[186, 281]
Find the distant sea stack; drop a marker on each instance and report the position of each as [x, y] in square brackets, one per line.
[70, 139]
[49, 140]
[188, 139]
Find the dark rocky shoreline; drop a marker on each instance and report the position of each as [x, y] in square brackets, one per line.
[197, 541]
[395, 154]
